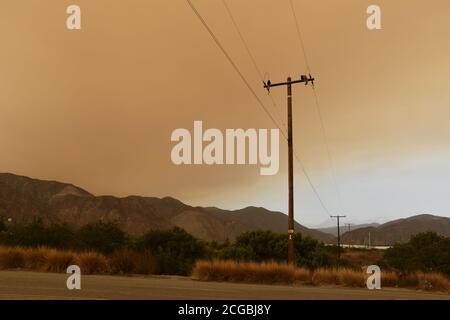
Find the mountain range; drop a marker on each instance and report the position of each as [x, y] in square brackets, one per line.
[334, 230]
[399, 230]
[23, 199]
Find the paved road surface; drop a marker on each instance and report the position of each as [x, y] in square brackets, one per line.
[34, 285]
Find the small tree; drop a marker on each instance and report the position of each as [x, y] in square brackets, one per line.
[425, 251]
[263, 246]
[28, 235]
[104, 237]
[257, 246]
[175, 250]
[2, 224]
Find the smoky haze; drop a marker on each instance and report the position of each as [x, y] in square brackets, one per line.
[96, 107]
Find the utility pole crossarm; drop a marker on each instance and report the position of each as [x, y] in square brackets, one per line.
[303, 79]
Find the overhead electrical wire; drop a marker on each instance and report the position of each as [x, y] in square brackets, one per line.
[252, 58]
[233, 64]
[258, 70]
[317, 104]
[235, 67]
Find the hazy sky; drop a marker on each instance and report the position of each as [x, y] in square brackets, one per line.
[96, 107]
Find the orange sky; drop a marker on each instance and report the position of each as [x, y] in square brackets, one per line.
[96, 107]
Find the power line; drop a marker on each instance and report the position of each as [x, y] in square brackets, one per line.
[230, 60]
[258, 70]
[317, 105]
[313, 188]
[299, 35]
[233, 64]
[252, 58]
[327, 147]
[230, 14]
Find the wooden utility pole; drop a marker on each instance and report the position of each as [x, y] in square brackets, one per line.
[339, 234]
[291, 229]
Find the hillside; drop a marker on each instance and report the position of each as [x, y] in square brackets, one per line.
[398, 230]
[22, 199]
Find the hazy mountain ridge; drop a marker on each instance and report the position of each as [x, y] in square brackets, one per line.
[334, 230]
[23, 199]
[399, 230]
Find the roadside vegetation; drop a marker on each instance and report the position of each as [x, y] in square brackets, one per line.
[280, 273]
[98, 248]
[254, 257]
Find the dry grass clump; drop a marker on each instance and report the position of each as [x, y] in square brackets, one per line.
[92, 263]
[348, 277]
[219, 270]
[35, 258]
[57, 260]
[433, 281]
[408, 280]
[352, 278]
[303, 275]
[389, 279]
[272, 272]
[146, 263]
[123, 261]
[127, 261]
[53, 260]
[325, 276]
[12, 257]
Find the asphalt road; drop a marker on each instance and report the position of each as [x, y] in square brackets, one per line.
[34, 285]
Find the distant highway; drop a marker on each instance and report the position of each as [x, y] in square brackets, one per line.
[34, 285]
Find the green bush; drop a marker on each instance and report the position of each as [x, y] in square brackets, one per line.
[427, 252]
[103, 237]
[59, 236]
[2, 224]
[260, 246]
[257, 246]
[36, 234]
[175, 250]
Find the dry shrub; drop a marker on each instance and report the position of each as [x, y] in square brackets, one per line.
[123, 261]
[389, 279]
[92, 262]
[325, 276]
[271, 272]
[58, 261]
[127, 261]
[12, 257]
[303, 275]
[146, 263]
[408, 280]
[352, 278]
[35, 258]
[218, 270]
[433, 281]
